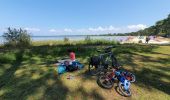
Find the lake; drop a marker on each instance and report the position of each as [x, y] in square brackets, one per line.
[74, 37]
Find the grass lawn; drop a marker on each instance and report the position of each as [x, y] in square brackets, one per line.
[31, 75]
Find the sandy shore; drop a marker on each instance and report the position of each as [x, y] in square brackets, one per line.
[142, 39]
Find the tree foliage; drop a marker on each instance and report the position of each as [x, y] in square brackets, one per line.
[161, 28]
[17, 38]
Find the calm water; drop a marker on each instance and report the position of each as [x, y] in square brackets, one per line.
[76, 38]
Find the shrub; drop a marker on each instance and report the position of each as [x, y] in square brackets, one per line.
[66, 39]
[7, 58]
[17, 37]
[140, 41]
[87, 38]
[24, 39]
[101, 42]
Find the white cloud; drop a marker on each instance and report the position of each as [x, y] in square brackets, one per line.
[32, 29]
[84, 31]
[102, 29]
[99, 30]
[113, 28]
[137, 27]
[68, 30]
[60, 30]
[52, 30]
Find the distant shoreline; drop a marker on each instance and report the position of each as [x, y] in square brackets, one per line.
[75, 38]
[72, 35]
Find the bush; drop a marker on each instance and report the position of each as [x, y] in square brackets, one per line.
[17, 37]
[66, 39]
[7, 58]
[101, 42]
[24, 39]
[140, 41]
[87, 38]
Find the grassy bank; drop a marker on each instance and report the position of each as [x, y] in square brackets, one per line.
[78, 42]
[30, 73]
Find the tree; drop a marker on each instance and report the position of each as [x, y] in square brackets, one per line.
[17, 37]
[168, 16]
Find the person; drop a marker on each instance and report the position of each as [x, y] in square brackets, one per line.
[71, 62]
[147, 39]
[72, 55]
[70, 59]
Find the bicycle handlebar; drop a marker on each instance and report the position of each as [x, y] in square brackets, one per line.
[107, 49]
[110, 47]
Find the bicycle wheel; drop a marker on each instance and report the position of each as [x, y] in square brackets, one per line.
[104, 82]
[126, 93]
[95, 70]
[133, 78]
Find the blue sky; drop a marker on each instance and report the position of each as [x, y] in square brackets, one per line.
[68, 17]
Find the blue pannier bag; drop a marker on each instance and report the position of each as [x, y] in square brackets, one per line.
[61, 69]
[74, 63]
[77, 64]
[80, 66]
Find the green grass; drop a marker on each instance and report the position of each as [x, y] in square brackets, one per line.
[77, 43]
[30, 74]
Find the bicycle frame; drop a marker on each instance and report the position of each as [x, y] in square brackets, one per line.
[102, 64]
[111, 56]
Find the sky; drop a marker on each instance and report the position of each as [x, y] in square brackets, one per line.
[81, 17]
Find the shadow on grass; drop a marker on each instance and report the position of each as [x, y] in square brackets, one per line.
[19, 88]
[152, 79]
[23, 87]
[8, 74]
[92, 95]
[152, 74]
[22, 90]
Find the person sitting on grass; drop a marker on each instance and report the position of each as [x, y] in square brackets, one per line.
[72, 55]
[68, 60]
[70, 63]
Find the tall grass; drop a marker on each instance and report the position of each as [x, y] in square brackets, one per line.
[79, 42]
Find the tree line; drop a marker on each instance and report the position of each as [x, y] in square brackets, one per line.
[161, 28]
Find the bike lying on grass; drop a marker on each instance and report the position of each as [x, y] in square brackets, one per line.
[124, 78]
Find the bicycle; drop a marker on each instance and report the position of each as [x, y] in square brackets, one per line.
[103, 62]
[124, 78]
